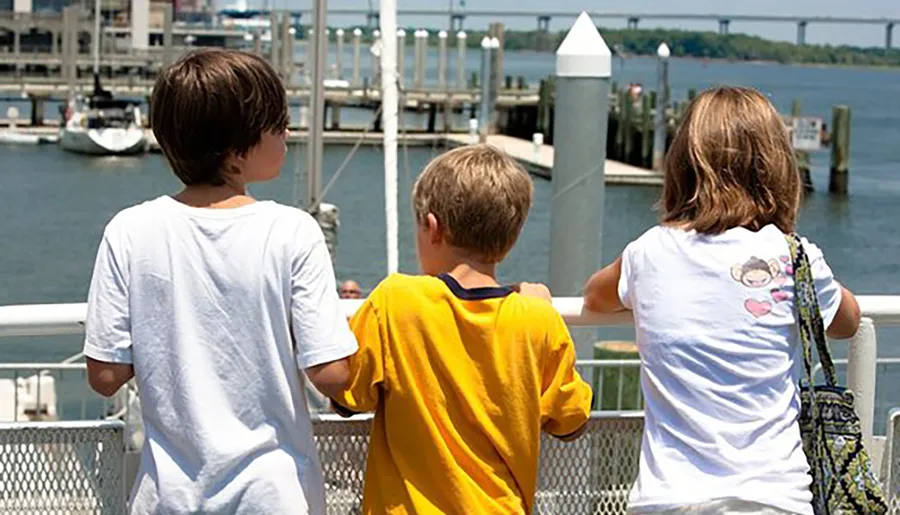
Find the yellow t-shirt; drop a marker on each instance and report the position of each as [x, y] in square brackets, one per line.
[462, 382]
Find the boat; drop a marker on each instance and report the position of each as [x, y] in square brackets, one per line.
[103, 125]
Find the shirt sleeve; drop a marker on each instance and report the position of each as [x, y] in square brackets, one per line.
[107, 326]
[565, 398]
[624, 287]
[319, 324]
[363, 391]
[828, 290]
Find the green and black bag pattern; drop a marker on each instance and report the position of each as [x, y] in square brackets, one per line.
[843, 482]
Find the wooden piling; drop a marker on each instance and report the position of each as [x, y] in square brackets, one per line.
[840, 150]
[432, 118]
[692, 94]
[803, 161]
[473, 81]
[617, 388]
[520, 82]
[37, 109]
[620, 125]
[508, 82]
[628, 128]
[448, 116]
[647, 103]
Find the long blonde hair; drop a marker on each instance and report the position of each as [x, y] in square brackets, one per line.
[731, 164]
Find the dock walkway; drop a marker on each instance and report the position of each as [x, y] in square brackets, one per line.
[541, 163]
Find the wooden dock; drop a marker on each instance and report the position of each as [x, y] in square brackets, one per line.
[541, 163]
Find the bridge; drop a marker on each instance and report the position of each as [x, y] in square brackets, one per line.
[633, 19]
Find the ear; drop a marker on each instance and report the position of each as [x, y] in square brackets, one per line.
[737, 272]
[435, 231]
[773, 267]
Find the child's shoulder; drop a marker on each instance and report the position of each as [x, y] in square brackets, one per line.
[404, 286]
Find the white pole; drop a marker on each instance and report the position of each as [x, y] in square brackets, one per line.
[461, 60]
[339, 57]
[485, 95]
[357, 35]
[401, 49]
[861, 375]
[96, 37]
[662, 103]
[388, 25]
[442, 59]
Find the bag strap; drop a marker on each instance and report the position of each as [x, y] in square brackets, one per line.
[809, 317]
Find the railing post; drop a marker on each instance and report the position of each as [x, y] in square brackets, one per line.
[861, 376]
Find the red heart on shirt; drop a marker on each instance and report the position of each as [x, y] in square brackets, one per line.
[758, 308]
[779, 296]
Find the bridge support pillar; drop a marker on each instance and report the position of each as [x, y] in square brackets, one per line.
[889, 36]
[801, 33]
[543, 23]
[633, 23]
[723, 27]
[456, 22]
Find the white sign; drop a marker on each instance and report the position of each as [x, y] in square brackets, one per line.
[806, 133]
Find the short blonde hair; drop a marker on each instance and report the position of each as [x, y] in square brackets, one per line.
[479, 195]
[731, 164]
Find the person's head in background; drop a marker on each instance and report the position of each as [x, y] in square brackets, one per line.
[730, 165]
[220, 117]
[350, 290]
[470, 205]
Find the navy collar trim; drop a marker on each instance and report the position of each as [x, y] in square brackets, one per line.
[482, 293]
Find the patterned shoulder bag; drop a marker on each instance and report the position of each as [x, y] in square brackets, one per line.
[843, 481]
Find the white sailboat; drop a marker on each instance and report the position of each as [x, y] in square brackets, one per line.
[101, 125]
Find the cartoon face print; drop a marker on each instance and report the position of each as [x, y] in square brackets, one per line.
[756, 273]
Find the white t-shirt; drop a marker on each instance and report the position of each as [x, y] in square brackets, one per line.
[721, 361]
[202, 302]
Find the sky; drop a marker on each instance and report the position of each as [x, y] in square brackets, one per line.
[861, 35]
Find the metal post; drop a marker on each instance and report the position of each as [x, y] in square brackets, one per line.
[167, 34]
[389, 106]
[317, 108]
[485, 94]
[375, 52]
[861, 374]
[287, 48]
[461, 60]
[442, 59]
[497, 32]
[493, 85]
[420, 49]
[339, 56]
[357, 38]
[273, 49]
[401, 49]
[583, 68]
[662, 104]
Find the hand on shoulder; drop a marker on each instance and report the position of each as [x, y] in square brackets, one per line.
[538, 290]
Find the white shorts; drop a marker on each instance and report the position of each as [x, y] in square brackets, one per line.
[721, 507]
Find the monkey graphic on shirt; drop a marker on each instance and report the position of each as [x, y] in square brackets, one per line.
[756, 273]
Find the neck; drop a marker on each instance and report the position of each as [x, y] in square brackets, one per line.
[204, 195]
[470, 273]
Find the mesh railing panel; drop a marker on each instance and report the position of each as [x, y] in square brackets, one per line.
[73, 468]
[592, 475]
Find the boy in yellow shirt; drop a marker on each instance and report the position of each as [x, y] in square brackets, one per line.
[463, 373]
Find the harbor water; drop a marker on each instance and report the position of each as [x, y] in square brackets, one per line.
[56, 204]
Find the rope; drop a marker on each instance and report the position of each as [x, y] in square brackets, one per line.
[346, 161]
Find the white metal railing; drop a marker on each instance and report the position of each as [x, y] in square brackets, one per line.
[59, 319]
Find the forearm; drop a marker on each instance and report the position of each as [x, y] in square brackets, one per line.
[601, 293]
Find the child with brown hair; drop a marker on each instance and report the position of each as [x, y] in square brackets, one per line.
[215, 302]
[463, 374]
[711, 289]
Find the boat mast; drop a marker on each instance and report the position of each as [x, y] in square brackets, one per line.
[96, 39]
[388, 25]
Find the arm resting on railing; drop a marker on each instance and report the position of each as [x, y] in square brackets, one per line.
[846, 320]
[107, 378]
[601, 293]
